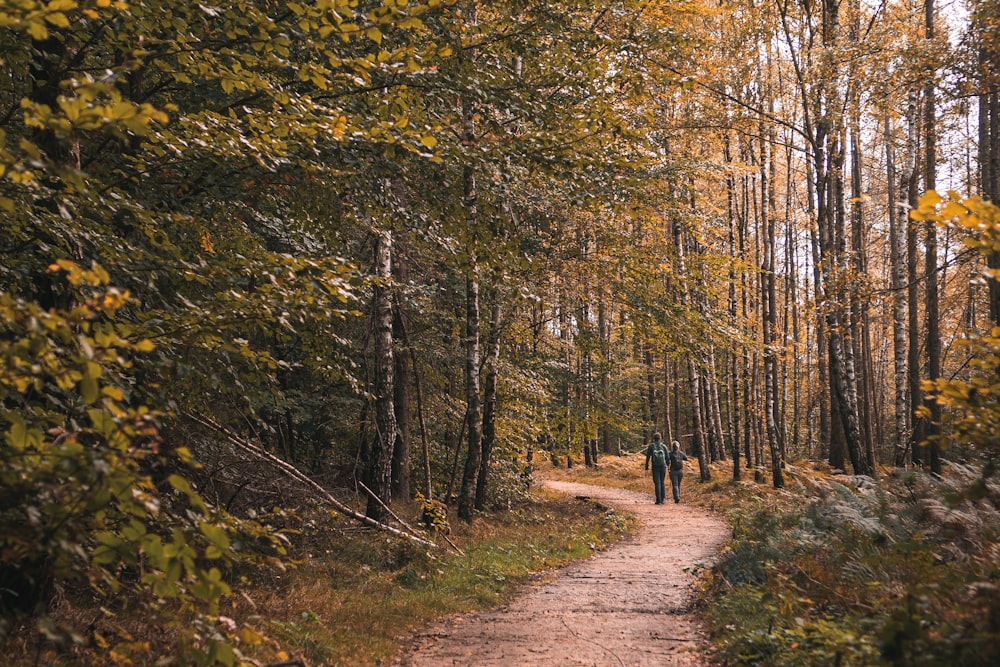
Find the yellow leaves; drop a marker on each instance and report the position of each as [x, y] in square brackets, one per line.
[58, 19]
[35, 18]
[92, 106]
[980, 219]
[429, 141]
[926, 206]
[38, 31]
[250, 637]
[374, 34]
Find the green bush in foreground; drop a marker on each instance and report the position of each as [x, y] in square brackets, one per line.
[92, 505]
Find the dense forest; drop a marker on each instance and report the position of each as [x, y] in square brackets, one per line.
[377, 252]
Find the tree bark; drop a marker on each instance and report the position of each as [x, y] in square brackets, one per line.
[768, 317]
[931, 310]
[489, 403]
[897, 269]
[474, 410]
[913, 284]
[380, 459]
[402, 485]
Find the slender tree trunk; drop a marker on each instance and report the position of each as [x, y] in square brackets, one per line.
[698, 437]
[455, 447]
[402, 486]
[931, 309]
[790, 334]
[913, 284]
[668, 433]
[859, 307]
[715, 403]
[489, 403]
[474, 416]
[769, 321]
[649, 367]
[897, 251]
[380, 461]
[733, 414]
[706, 418]
[823, 397]
[989, 137]
[694, 376]
[604, 326]
[745, 377]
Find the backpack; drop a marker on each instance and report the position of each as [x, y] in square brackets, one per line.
[676, 462]
[659, 454]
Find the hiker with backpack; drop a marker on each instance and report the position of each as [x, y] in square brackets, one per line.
[658, 454]
[677, 459]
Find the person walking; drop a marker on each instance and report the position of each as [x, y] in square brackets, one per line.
[677, 459]
[657, 452]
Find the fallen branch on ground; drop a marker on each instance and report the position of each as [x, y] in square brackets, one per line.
[296, 474]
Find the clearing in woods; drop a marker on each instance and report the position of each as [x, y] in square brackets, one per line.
[629, 605]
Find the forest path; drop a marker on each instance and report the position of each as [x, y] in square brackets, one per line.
[627, 606]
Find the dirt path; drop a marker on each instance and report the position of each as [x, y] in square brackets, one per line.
[629, 605]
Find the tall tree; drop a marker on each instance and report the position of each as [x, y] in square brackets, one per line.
[931, 307]
[379, 477]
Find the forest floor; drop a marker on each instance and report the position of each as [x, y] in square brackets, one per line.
[632, 604]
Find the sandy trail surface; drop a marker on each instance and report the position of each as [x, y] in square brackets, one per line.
[629, 605]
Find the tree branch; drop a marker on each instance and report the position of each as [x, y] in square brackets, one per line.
[300, 477]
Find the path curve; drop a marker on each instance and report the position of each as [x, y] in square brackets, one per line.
[627, 606]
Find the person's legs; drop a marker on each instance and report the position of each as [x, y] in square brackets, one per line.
[675, 483]
[658, 484]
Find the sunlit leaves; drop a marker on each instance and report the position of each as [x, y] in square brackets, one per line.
[973, 401]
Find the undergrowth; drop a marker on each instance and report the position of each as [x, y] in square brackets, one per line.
[355, 596]
[841, 570]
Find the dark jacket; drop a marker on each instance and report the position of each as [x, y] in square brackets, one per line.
[649, 452]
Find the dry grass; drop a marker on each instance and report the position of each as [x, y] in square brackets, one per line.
[356, 596]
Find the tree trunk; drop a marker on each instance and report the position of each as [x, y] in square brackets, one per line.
[402, 486]
[668, 432]
[474, 410]
[604, 327]
[734, 413]
[380, 459]
[698, 435]
[913, 284]
[768, 316]
[715, 404]
[489, 403]
[931, 309]
[989, 137]
[897, 268]
[694, 378]
[859, 308]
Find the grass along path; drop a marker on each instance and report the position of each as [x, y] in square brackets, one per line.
[629, 605]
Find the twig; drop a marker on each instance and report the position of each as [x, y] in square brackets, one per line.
[453, 546]
[385, 507]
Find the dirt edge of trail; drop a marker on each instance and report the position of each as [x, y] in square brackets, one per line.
[628, 605]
